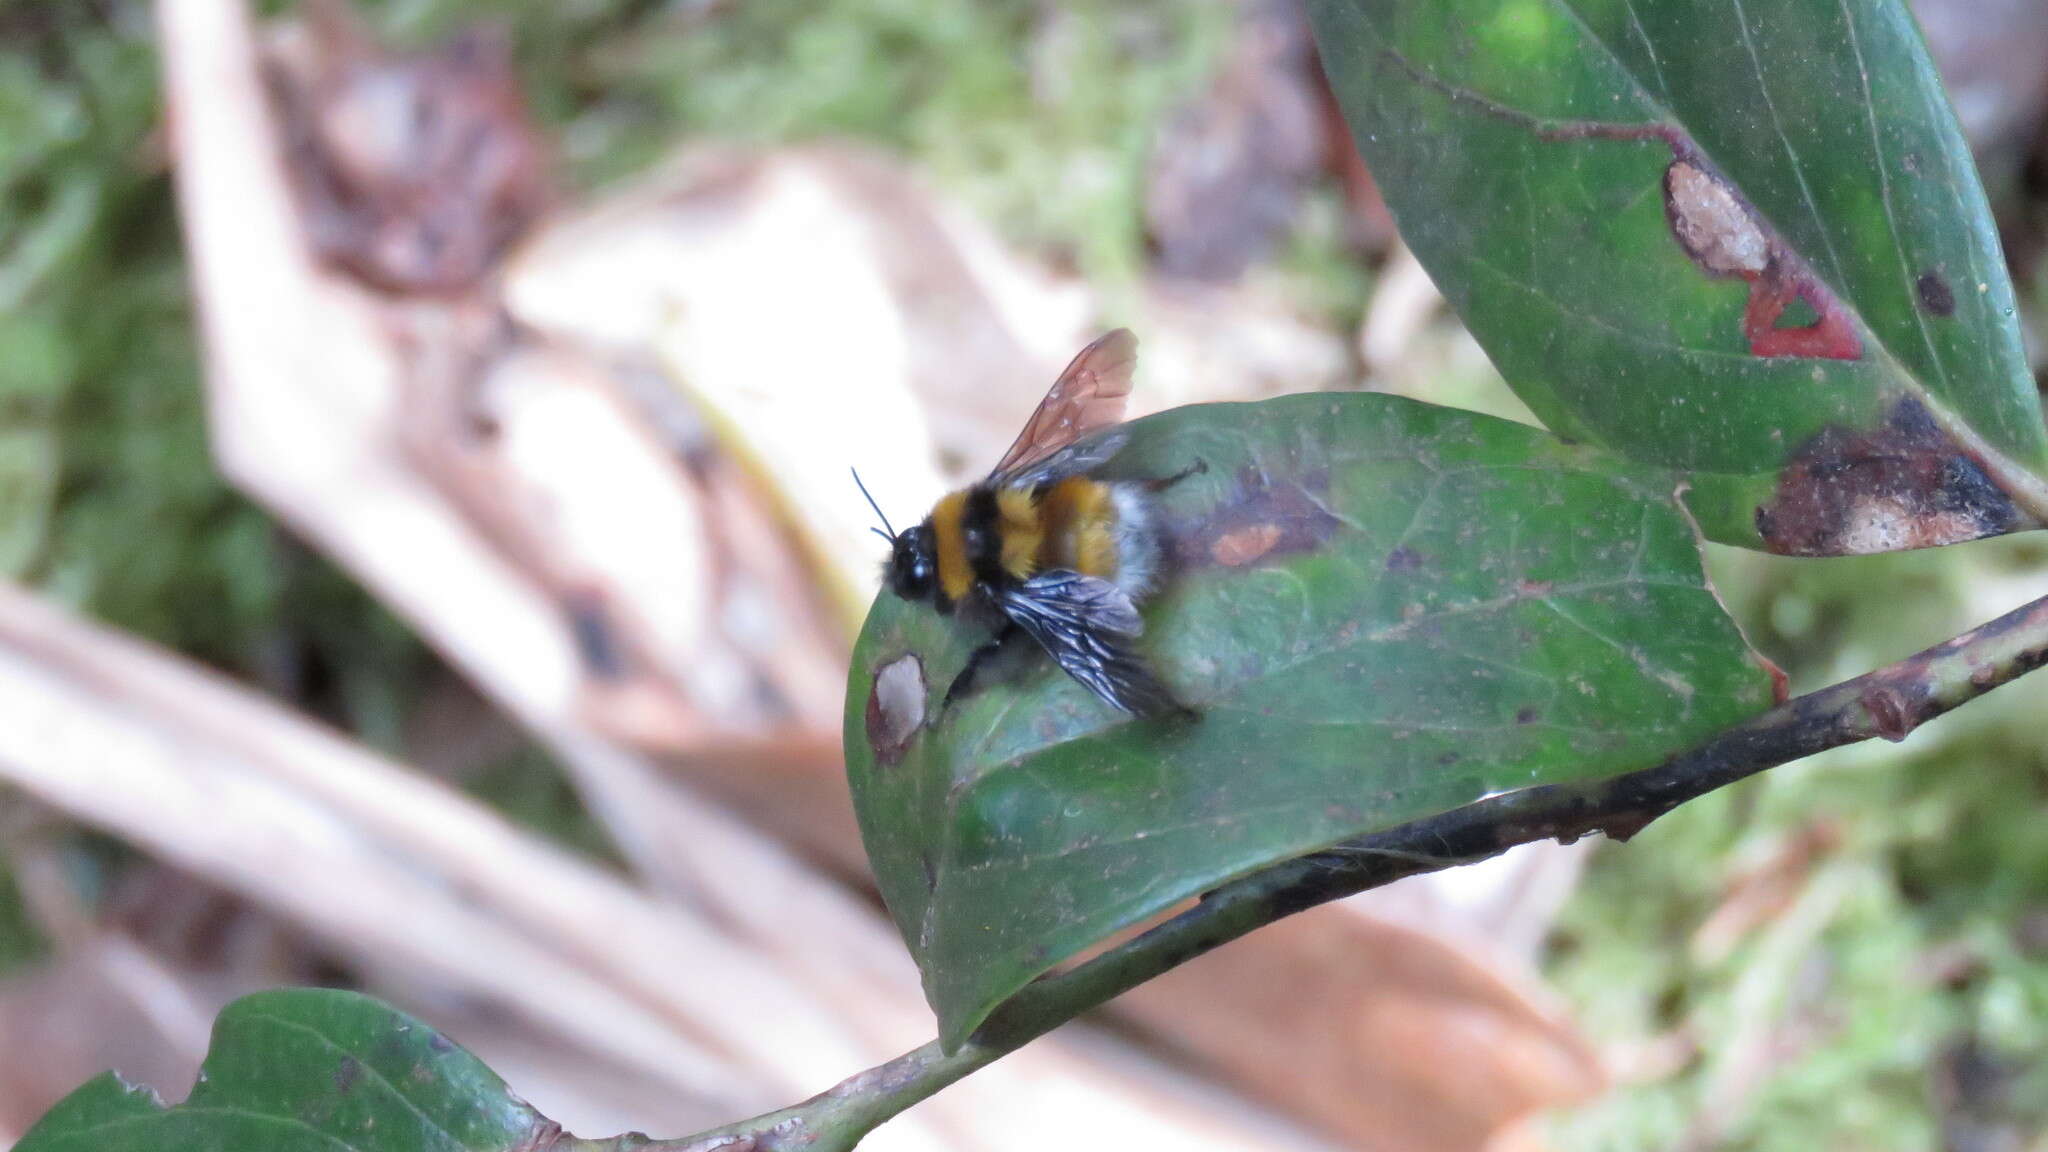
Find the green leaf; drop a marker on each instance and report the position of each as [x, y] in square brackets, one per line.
[1382, 610]
[1738, 237]
[307, 1070]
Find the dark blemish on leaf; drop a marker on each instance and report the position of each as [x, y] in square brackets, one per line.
[1965, 486]
[895, 708]
[1404, 559]
[1278, 517]
[1904, 485]
[1912, 421]
[1447, 759]
[440, 1043]
[1241, 547]
[346, 1074]
[1525, 715]
[1935, 294]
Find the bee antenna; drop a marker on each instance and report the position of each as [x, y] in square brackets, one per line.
[890, 534]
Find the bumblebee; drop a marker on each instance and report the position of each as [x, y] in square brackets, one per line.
[1040, 548]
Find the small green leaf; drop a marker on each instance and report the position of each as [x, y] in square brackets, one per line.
[307, 1070]
[1742, 238]
[1381, 610]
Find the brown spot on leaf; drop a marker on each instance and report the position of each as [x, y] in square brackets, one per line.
[1712, 224]
[896, 707]
[1935, 294]
[1279, 517]
[1904, 485]
[1240, 547]
[1404, 559]
[346, 1074]
[1525, 715]
[1724, 237]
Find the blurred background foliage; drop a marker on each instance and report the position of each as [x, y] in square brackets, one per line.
[1851, 952]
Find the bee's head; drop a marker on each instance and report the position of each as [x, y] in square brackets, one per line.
[913, 566]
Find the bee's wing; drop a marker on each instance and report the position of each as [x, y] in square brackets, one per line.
[1089, 395]
[1086, 625]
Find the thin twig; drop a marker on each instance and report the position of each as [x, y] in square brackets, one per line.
[1889, 702]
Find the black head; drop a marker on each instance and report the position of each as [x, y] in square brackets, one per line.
[913, 565]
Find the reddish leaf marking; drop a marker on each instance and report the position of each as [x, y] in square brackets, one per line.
[1239, 547]
[1255, 521]
[1831, 337]
[1723, 237]
[1715, 227]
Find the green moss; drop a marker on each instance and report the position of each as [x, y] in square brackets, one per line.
[1902, 941]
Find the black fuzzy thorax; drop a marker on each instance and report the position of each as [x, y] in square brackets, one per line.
[981, 532]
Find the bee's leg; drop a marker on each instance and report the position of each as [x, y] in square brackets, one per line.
[978, 663]
[1162, 484]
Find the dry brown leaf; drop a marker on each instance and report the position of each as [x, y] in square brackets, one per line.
[1392, 1038]
[436, 897]
[817, 305]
